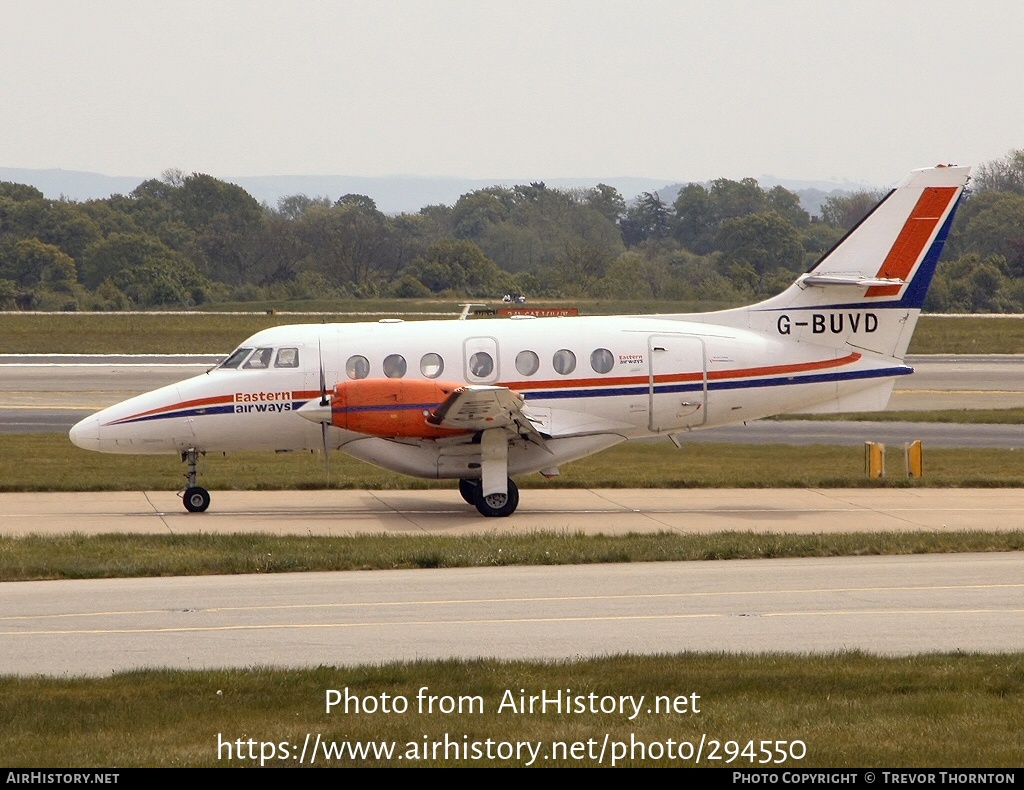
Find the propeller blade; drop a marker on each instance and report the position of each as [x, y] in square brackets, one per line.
[323, 378]
[324, 401]
[327, 452]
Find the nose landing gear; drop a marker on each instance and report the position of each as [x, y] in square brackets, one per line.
[195, 498]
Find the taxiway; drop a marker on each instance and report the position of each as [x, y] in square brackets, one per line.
[891, 605]
[442, 512]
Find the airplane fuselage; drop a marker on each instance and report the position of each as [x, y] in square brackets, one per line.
[588, 383]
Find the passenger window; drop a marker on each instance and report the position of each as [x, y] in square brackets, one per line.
[236, 358]
[287, 358]
[259, 360]
[357, 367]
[527, 363]
[564, 361]
[394, 366]
[431, 365]
[602, 360]
[481, 364]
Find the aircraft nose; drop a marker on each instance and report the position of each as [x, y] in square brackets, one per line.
[86, 433]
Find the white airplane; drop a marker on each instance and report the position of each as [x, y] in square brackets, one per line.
[480, 401]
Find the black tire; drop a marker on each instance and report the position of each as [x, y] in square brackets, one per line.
[496, 505]
[468, 490]
[196, 499]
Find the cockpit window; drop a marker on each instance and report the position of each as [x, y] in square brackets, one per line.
[236, 358]
[259, 360]
[287, 358]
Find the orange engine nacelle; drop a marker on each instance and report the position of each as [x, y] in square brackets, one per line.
[391, 408]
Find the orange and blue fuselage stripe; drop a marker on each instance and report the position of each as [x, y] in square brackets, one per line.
[766, 376]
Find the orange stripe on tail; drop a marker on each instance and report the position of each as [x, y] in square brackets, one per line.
[916, 233]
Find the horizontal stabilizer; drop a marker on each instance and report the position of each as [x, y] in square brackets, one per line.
[854, 280]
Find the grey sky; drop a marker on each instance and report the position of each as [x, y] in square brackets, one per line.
[673, 90]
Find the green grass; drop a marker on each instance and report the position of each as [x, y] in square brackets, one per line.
[76, 556]
[968, 335]
[960, 416]
[49, 462]
[850, 709]
[118, 333]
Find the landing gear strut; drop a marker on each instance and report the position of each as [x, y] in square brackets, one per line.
[494, 495]
[196, 498]
[495, 505]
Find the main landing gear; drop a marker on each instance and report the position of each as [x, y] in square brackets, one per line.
[493, 505]
[494, 495]
[468, 490]
[195, 498]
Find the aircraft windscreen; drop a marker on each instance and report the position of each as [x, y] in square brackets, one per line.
[287, 358]
[260, 359]
[236, 358]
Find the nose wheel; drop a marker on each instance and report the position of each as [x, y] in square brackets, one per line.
[195, 498]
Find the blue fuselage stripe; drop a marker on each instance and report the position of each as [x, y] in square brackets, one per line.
[697, 386]
[386, 407]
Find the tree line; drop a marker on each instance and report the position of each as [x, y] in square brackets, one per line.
[186, 240]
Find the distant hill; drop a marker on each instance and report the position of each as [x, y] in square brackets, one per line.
[393, 194]
[73, 184]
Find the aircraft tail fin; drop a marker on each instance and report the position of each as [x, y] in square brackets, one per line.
[867, 291]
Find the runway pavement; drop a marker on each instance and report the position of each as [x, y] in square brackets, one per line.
[890, 605]
[961, 381]
[609, 511]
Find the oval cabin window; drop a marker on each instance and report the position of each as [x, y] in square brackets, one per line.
[357, 367]
[527, 363]
[602, 360]
[431, 365]
[481, 364]
[394, 366]
[564, 361]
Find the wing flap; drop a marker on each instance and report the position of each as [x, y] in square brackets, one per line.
[483, 408]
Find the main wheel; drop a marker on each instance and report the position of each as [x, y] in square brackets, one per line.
[468, 490]
[497, 505]
[196, 499]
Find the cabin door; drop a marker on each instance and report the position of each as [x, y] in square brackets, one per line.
[678, 376]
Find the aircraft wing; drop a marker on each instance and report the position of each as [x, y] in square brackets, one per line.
[481, 408]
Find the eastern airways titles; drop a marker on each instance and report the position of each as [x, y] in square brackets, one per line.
[263, 401]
